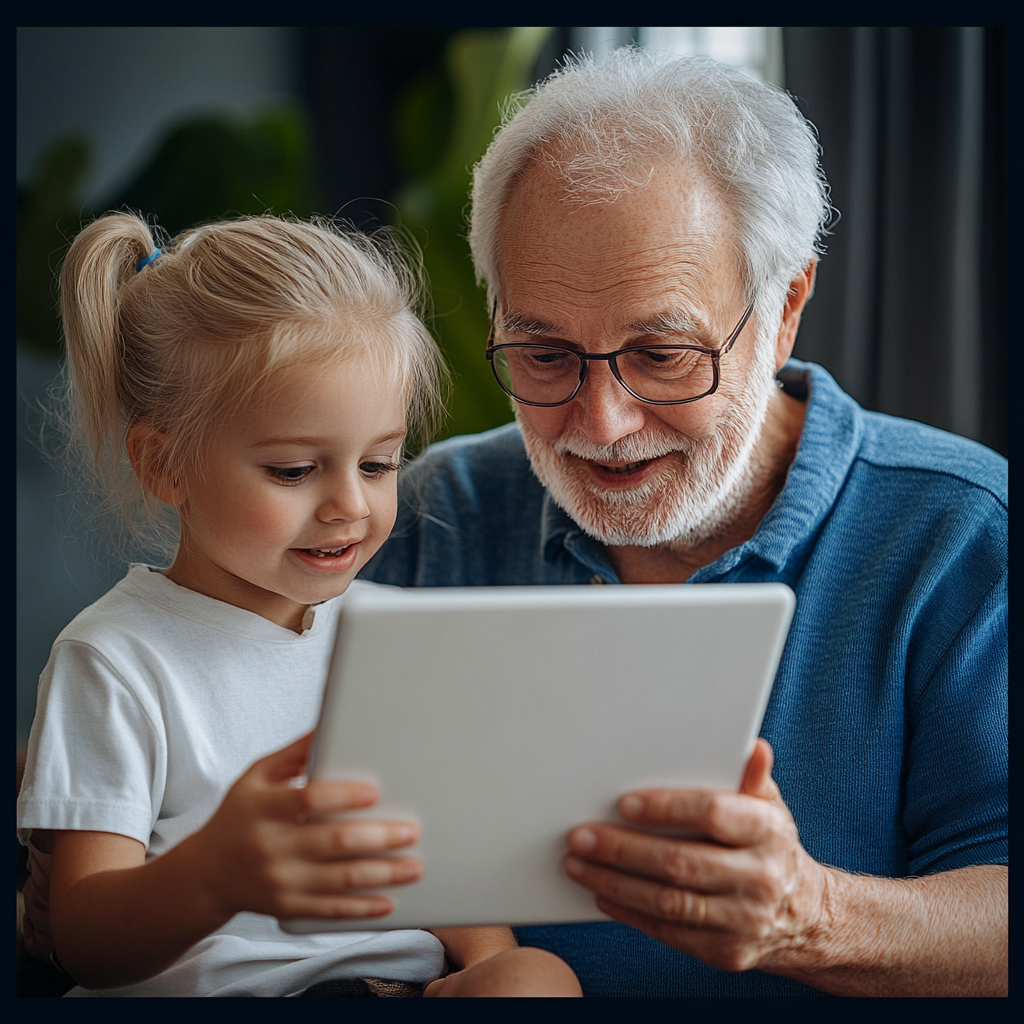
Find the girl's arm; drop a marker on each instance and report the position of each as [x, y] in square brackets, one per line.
[119, 919]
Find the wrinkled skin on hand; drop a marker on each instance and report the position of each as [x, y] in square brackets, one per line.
[748, 895]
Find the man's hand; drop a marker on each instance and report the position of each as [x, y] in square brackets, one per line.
[746, 896]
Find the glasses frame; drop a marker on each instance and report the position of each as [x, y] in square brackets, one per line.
[586, 358]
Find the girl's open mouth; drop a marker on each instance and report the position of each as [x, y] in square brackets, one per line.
[341, 557]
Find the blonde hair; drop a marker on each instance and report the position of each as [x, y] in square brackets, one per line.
[224, 312]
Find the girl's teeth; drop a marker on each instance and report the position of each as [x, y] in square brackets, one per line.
[324, 552]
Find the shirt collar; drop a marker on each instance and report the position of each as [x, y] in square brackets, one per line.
[828, 445]
[555, 526]
[829, 442]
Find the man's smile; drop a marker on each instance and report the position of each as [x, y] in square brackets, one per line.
[624, 468]
[618, 474]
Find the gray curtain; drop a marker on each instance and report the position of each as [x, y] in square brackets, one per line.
[910, 312]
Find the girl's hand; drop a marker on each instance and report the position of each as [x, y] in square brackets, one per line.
[118, 918]
[269, 850]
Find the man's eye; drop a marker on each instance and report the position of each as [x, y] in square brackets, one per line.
[550, 358]
[289, 474]
[375, 470]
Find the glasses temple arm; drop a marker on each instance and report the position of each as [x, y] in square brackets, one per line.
[739, 327]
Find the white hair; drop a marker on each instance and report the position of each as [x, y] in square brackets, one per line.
[603, 124]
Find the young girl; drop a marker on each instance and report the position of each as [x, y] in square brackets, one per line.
[262, 377]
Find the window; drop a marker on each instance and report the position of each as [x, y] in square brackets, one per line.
[756, 51]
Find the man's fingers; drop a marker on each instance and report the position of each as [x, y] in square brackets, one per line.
[689, 907]
[757, 777]
[725, 817]
[696, 940]
[734, 819]
[687, 863]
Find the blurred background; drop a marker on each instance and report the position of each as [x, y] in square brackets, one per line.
[382, 125]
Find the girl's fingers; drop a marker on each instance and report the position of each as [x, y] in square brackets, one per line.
[335, 907]
[286, 763]
[329, 840]
[340, 876]
[285, 802]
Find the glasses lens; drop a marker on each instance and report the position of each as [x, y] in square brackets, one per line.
[535, 373]
[667, 374]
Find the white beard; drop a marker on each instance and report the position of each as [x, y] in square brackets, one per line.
[696, 492]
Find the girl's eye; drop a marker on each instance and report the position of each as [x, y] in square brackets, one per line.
[375, 470]
[289, 474]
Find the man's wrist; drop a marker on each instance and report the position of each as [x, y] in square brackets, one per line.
[938, 935]
[812, 944]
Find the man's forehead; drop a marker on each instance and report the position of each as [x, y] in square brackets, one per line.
[572, 182]
[668, 242]
[675, 210]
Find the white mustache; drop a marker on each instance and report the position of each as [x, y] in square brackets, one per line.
[638, 447]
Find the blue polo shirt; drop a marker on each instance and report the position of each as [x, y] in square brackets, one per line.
[888, 714]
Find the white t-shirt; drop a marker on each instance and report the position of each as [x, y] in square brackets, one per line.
[154, 701]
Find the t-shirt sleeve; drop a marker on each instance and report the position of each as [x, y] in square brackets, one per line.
[957, 806]
[96, 752]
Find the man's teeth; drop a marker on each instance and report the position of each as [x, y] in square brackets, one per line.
[629, 467]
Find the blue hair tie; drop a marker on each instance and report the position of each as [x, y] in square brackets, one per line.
[149, 259]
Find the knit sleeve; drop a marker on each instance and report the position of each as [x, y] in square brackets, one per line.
[956, 809]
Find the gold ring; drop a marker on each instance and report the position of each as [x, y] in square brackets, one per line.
[702, 910]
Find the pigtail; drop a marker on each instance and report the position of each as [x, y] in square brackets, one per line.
[184, 341]
[100, 264]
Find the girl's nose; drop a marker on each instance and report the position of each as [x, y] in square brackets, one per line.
[344, 502]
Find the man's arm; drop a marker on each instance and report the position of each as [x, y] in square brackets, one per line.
[752, 897]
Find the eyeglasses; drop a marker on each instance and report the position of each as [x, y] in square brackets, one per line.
[547, 375]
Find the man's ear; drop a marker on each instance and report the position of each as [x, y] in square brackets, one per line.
[147, 451]
[800, 290]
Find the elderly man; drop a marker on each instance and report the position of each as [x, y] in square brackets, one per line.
[648, 234]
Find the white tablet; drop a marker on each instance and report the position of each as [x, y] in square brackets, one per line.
[499, 718]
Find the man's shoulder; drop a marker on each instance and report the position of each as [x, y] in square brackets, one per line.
[899, 445]
[491, 462]
[488, 450]
[471, 513]
[898, 449]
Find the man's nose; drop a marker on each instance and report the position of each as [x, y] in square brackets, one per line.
[604, 410]
[344, 501]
